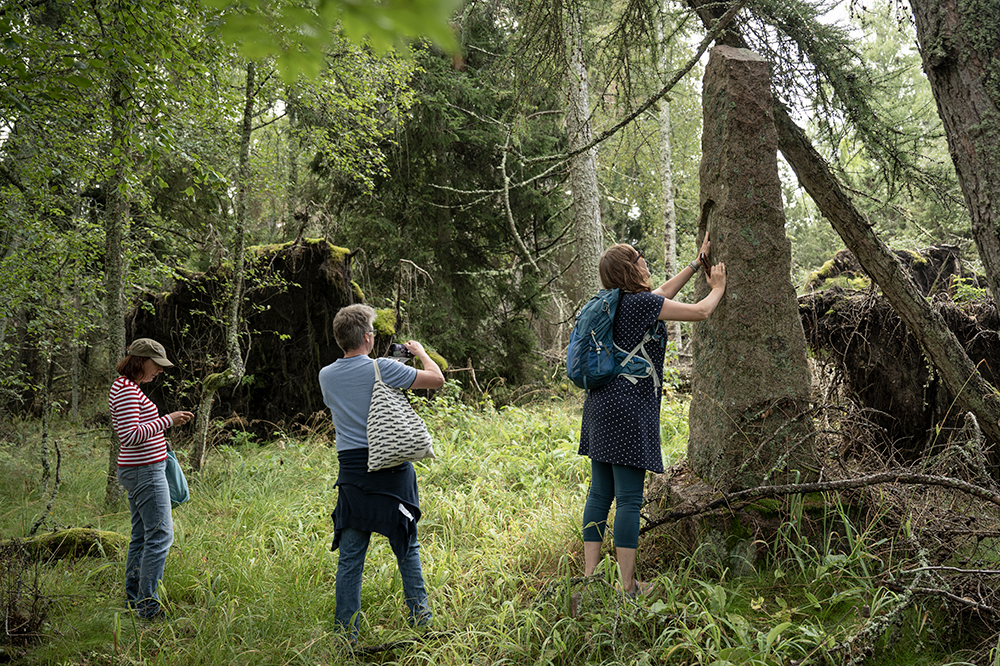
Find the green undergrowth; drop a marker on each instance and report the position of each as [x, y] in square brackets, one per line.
[250, 578]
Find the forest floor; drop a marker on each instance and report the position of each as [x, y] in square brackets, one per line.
[250, 577]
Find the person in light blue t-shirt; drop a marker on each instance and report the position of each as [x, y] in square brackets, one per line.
[385, 501]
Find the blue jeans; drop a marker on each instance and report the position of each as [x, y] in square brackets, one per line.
[614, 482]
[353, 547]
[152, 534]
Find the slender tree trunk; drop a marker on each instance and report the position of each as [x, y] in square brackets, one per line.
[292, 184]
[48, 474]
[116, 220]
[667, 175]
[586, 203]
[74, 373]
[960, 47]
[233, 374]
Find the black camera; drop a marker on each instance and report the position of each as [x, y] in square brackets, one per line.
[397, 350]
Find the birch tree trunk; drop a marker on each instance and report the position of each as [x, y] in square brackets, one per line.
[586, 203]
[233, 374]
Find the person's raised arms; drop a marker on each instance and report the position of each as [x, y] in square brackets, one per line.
[670, 288]
[674, 311]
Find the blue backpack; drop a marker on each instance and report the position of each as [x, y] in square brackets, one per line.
[592, 358]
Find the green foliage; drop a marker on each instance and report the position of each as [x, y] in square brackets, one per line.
[298, 35]
[250, 578]
[629, 163]
[963, 291]
[475, 299]
[896, 157]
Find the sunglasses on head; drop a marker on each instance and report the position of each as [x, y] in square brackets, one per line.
[638, 256]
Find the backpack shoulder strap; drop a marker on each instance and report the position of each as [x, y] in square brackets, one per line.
[640, 349]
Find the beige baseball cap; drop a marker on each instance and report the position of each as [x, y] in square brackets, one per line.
[149, 348]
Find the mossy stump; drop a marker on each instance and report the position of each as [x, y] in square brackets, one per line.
[72, 543]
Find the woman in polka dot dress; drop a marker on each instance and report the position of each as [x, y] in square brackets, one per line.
[621, 420]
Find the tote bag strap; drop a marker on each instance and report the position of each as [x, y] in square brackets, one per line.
[378, 375]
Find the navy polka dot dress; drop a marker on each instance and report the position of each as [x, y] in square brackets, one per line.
[621, 420]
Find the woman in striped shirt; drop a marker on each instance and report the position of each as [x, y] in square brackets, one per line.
[142, 471]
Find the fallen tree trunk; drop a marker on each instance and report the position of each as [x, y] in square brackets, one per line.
[972, 392]
[733, 501]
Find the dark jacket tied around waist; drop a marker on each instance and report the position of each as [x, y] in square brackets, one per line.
[385, 501]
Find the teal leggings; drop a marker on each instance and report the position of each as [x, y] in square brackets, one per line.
[614, 482]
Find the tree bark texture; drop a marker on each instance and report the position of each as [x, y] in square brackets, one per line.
[959, 44]
[751, 383]
[586, 203]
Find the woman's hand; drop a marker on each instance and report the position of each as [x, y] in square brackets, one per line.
[706, 246]
[717, 280]
[180, 418]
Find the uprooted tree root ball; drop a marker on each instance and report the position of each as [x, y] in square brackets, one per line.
[293, 291]
[881, 366]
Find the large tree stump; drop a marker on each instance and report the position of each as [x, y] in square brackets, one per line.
[751, 385]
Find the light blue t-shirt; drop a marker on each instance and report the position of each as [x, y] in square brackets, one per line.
[347, 390]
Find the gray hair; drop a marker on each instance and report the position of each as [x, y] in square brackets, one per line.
[351, 324]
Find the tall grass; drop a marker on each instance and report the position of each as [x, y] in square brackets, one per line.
[250, 578]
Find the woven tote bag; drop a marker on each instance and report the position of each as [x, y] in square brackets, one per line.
[395, 433]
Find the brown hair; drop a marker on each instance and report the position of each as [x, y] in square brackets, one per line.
[351, 324]
[619, 269]
[131, 367]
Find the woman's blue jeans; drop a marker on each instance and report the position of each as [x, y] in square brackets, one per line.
[623, 484]
[152, 534]
[353, 547]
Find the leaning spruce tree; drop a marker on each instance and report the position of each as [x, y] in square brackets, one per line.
[751, 380]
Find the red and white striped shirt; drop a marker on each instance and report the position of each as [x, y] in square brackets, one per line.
[138, 425]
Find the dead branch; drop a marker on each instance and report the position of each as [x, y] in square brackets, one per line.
[945, 594]
[744, 497]
[970, 572]
[55, 490]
